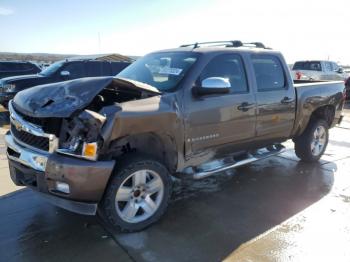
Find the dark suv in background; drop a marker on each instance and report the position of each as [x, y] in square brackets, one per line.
[60, 71]
[347, 86]
[15, 68]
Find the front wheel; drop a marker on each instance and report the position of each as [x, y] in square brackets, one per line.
[310, 146]
[137, 194]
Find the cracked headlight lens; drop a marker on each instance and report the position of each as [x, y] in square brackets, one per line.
[81, 149]
[80, 135]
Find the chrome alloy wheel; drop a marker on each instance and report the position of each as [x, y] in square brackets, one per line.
[318, 141]
[139, 196]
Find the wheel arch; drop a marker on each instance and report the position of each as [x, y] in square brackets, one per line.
[326, 113]
[161, 147]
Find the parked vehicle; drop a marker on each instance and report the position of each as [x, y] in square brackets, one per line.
[57, 72]
[14, 68]
[113, 143]
[318, 70]
[347, 86]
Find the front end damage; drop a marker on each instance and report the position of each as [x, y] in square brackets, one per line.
[56, 144]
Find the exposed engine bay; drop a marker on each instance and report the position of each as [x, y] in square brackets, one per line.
[77, 104]
[64, 99]
[115, 94]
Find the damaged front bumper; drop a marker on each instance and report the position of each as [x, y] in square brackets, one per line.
[70, 183]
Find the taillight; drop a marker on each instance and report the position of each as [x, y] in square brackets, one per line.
[298, 75]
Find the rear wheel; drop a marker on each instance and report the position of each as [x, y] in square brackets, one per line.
[137, 195]
[310, 146]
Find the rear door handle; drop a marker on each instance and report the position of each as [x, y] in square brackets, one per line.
[245, 106]
[287, 100]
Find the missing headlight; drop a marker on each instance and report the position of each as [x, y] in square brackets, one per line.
[79, 131]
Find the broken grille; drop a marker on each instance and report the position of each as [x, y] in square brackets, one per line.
[39, 142]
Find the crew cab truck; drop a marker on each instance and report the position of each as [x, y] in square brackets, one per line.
[112, 143]
[318, 70]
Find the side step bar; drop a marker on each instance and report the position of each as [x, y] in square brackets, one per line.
[250, 157]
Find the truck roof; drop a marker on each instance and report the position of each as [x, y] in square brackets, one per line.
[314, 60]
[223, 46]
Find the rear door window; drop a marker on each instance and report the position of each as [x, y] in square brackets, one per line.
[11, 67]
[29, 67]
[25, 67]
[335, 67]
[117, 67]
[106, 69]
[229, 67]
[269, 72]
[94, 68]
[328, 67]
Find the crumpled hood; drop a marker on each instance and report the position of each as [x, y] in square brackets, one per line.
[64, 98]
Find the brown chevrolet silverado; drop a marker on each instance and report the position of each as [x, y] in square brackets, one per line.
[112, 144]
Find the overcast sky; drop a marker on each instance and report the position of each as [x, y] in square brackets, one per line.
[300, 29]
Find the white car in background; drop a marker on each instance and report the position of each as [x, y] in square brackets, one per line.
[318, 70]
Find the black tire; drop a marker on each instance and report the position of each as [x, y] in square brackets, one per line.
[302, 144]
[125, 168]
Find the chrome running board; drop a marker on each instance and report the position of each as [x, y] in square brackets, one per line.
[216, 166]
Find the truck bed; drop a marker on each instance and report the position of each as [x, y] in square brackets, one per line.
[314, 94]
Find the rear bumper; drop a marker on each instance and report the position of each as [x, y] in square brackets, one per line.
[41, 172]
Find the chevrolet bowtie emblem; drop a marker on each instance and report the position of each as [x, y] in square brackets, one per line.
[17, 124]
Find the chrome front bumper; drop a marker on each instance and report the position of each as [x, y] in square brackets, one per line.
[87, 179]
[44, 170]
[25, 156]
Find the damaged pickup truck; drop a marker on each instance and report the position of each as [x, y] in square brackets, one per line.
[113, 144]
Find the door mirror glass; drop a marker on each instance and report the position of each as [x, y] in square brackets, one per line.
[213, 85]
[65, 73]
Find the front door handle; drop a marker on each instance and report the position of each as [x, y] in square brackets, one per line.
[245, 106]
[287, 100]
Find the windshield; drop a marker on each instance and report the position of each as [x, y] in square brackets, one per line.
[308, 65]
[160, 70]
[52, 68]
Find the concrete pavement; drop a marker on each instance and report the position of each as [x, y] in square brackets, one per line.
[277, 209]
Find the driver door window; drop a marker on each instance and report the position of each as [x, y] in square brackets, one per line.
[229, 67]
[76, 70]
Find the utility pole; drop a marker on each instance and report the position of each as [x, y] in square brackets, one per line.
[99, 42]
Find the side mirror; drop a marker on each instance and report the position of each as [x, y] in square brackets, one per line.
[65, 73]
[213, 85]
[340, 70]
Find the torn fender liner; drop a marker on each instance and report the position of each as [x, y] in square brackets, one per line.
[60, 99]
